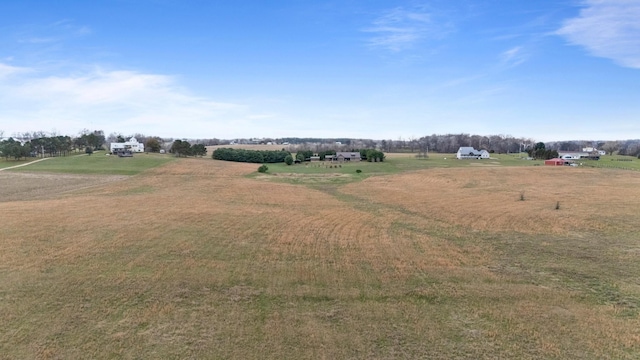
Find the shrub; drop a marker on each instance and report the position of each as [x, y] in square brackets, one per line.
[263, 168]
[288, 159]
[88, 150]
[358, 171]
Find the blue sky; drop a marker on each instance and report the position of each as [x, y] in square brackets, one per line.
[548, 70]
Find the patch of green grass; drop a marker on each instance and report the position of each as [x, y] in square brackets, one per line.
[312, 173]
[7, 163]
[99, 163]
[613, 162]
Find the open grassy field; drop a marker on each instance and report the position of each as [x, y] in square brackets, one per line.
[99, 163]
[614, 162]
[196, 259]
[11, 162]
[310, 173]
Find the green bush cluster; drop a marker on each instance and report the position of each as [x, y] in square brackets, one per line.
[288, 159]
[372, 155]
[184, 148]
[250, 156]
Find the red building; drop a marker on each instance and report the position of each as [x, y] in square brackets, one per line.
[556, 162]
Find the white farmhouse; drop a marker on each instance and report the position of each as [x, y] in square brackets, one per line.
[592, 150]
[466, 152]
[132, 145]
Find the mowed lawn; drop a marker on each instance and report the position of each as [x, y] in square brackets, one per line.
[196, 259]
[98, 163]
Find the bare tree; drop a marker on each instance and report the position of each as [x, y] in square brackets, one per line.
[610, 147]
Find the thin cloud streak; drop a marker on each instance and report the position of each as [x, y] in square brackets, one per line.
[608, 29]
[400, 29]
[8, 70]
[513, 57]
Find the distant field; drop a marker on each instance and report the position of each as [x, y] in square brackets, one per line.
[98, 163]
[321, 172]
[202, 259]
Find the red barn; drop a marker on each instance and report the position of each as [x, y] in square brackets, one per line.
[555, 162]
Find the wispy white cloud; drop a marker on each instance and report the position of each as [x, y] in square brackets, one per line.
[37, 40]
[70, 27]
[608, 29]
[7, 70]
[400, 29]
[56, 32]
[124, 101]
[513, 57]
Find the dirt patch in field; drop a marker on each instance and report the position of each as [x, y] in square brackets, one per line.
[30, 186]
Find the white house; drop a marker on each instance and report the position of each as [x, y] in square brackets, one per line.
[592, 149]
[466, 152]
[132, 145]
[572, 155]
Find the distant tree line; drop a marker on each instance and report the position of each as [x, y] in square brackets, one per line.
[39, 144]
[184, 148]
[295, 140]
[450, 143]
[629, 147]
[621, 147]
[250, 156]
[11, 148]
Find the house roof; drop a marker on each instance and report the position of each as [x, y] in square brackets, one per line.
[348, 154]
[466, 150]
[572, 153]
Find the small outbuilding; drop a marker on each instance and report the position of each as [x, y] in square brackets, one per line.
[556, 162]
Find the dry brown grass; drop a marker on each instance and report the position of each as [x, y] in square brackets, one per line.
[27, 186]
[194, 260]
[489, 199]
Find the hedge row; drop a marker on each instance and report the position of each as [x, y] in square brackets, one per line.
[250, 156]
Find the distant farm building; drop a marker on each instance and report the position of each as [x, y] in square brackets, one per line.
[556, 162]
[471, 153]
[570, 155]
[128, 146]
[592, 149]
[347, 156]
